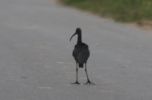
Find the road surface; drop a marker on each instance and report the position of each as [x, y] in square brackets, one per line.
[36, 61]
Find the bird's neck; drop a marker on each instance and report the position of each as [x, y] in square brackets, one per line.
[79, 38]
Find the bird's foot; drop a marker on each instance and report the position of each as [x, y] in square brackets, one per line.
[89, 83]
[76, 83]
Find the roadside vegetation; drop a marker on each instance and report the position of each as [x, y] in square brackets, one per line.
[121, 10]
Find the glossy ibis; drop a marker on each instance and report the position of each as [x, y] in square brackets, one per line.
[81, 54]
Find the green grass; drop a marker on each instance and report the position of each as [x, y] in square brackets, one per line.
[122, 10]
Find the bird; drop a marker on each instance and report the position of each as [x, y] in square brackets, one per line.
[80, 54]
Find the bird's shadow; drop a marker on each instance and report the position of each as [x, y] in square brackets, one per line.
[87, 84]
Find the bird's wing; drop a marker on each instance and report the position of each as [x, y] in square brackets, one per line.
[83, 55]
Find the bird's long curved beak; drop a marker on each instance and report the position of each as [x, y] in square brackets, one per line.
[72, 36]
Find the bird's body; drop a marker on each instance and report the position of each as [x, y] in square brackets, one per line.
[81, 54]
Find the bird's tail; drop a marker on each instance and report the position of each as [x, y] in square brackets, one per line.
[81, 65]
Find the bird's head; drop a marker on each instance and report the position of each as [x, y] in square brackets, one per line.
[77, 32]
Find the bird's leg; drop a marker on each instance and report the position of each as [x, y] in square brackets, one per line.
[76, 82]
[88, 80]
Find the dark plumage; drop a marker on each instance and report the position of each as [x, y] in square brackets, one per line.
[81, 54]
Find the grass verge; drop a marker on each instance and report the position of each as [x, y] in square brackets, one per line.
[121, 10]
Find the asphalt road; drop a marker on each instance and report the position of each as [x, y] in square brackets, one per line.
[36, 61]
